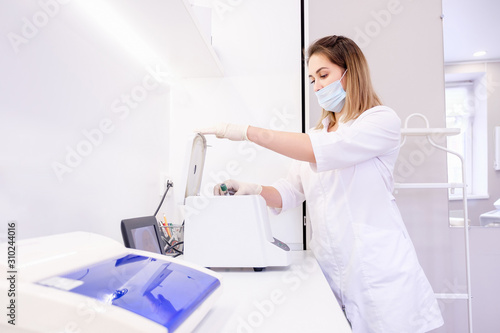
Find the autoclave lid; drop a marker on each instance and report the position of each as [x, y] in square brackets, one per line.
[195, 165]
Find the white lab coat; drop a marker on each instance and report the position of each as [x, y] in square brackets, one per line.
[358, 235]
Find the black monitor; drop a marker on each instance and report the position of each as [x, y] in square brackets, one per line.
[142, 233]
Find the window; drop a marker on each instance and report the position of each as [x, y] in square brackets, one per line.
[466, 97]
[460, 114]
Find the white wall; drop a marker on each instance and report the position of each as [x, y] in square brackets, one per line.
[260, 53]
[68, 78]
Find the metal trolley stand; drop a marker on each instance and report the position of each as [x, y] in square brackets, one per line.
[428, 132]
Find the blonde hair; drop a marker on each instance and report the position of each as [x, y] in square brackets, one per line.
[360, 95]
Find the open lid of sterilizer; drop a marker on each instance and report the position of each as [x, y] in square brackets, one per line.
[195, 164]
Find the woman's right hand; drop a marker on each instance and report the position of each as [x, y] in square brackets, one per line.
[233, 132]
[238, 188]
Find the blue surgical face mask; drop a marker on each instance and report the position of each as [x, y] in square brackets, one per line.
[332, 97]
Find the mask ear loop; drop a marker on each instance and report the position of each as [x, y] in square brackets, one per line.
[343, 75]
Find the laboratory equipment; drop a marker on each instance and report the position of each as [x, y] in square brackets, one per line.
[226, 231]
[84, 282]
[492, 218]
[142, 233]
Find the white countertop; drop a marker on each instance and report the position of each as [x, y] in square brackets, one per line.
[296, 298]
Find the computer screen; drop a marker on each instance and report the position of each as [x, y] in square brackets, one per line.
[145, 239]
[142, 233]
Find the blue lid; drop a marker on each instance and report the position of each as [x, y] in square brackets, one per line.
[164, 292]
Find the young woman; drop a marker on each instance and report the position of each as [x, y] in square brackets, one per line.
[344, 170]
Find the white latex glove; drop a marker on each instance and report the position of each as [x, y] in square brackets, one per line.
[232, 132]
[238, 188]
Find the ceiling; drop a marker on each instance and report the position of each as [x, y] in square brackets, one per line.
[471, 26]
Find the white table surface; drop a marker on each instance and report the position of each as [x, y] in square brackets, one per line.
[296, 298]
